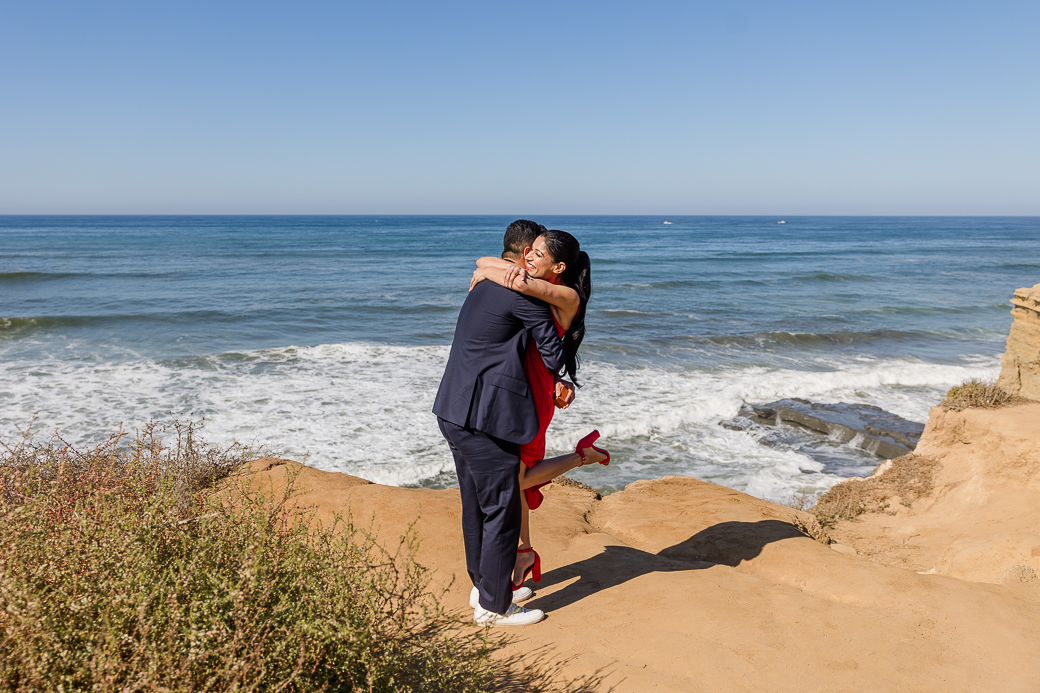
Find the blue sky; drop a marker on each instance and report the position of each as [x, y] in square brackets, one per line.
[535, 108]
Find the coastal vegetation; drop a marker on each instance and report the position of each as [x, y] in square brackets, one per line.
[141, 566]
[980, 394]
[902, 480]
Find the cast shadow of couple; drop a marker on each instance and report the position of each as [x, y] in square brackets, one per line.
[725, 543]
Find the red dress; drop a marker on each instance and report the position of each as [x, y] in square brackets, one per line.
[543, 386]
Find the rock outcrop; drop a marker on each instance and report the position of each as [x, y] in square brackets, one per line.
[867, 427]
[1020, 371]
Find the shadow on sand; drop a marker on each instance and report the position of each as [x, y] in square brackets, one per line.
[726, 543]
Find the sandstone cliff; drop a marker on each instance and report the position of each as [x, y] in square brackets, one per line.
[1020, 371]
[680, 585]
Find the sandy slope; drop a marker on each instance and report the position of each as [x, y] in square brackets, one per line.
[681, 585]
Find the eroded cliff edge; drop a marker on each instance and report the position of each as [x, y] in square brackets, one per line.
[1020, 367]
[979, 515]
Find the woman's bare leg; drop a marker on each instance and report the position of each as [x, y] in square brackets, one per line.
[523, 560]
[542, 473]
[547, 470]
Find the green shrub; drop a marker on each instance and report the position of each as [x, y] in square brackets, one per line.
[976, 393]
[120, 570]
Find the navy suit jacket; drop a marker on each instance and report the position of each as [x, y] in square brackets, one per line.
[484, 386]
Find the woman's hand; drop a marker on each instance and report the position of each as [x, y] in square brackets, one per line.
[511, 277]
[564, 394]
[516, 273]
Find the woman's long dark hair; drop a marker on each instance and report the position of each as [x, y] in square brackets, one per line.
[565, 248]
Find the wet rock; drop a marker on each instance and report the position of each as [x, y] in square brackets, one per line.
[864, 426]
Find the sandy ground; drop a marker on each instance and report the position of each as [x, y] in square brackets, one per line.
[681, 585]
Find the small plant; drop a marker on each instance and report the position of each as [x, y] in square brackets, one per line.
[800, 501]
[910, 477]
[978, 394]
[844, 501]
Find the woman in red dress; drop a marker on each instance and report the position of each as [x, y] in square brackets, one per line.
[557, 271]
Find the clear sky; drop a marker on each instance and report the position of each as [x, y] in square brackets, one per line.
[562, 107]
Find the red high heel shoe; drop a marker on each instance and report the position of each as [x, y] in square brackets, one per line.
[536, 568]
[587, 442]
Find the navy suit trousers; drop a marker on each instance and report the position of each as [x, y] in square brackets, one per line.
[488, 470]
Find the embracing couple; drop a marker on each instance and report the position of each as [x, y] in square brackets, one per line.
[517, 333]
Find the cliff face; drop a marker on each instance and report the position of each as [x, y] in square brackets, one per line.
[1020, 372]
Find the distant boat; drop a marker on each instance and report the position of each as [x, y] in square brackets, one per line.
[781, 222]
[668, 222]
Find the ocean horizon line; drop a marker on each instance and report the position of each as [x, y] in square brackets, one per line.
[373, 215]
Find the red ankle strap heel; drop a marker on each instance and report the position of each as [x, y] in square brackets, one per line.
[587, 442]
[536, 569]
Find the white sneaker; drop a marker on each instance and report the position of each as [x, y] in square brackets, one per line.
[516, 616]
[520, 595]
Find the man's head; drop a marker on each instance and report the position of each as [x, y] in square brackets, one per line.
[519, 237]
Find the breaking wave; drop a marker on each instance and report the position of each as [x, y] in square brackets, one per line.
[365, 409]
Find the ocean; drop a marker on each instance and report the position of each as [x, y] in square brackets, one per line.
[324, 338]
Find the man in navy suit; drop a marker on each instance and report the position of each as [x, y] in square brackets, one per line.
[485, 411]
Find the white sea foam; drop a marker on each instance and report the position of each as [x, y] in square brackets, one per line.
[667, 420]
[365, 409]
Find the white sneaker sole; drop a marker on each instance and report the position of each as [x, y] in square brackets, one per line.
[526, 617]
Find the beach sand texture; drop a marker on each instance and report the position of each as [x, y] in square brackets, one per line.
[681, 585]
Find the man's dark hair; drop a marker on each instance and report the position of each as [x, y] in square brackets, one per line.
[519, 235]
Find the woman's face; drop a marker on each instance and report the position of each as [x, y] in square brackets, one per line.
[540, 264]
